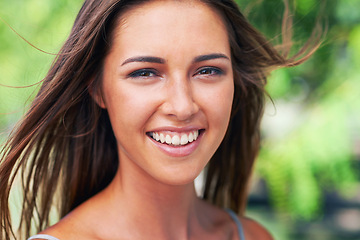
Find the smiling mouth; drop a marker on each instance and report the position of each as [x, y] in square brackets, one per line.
[175, 139]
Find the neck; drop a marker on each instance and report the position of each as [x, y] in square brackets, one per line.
[162, 210]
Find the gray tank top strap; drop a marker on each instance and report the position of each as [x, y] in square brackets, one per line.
[43, 236]
[238, 223]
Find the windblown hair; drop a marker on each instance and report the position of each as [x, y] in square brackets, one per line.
[64, 147]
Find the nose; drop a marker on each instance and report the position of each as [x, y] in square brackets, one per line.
[179, 101]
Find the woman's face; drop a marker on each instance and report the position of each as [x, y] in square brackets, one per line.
[168, 89]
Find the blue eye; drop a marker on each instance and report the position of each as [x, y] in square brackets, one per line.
[143, 73]
[209, 71]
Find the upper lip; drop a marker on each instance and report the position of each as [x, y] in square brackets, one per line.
[176, 129]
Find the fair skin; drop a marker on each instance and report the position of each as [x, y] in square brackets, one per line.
[176, 85]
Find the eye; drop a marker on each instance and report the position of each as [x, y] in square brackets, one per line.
[209, 71]
[144, 73]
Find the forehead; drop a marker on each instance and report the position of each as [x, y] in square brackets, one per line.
[178, 6]
[175, 22]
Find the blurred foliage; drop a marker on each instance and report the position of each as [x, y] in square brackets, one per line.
[311, 131]
[309, 134]
[45, 24]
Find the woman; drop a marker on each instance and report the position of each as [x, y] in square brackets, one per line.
[142, 97]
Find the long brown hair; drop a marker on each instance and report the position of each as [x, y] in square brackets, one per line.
[64, 146]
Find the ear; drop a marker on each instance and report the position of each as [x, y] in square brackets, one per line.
[97, 96]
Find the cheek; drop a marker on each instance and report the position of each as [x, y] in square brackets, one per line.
[225, 107]
[128, 110]
[219, 103]
[227, 96]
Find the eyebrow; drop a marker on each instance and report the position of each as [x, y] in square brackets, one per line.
[144, 59]
[152, 59]
[207, 57]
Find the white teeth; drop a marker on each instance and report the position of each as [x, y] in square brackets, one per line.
[191, 137]
[177, 139]
[162, 138]
[157, 137]
[168, 139]
[184, 139]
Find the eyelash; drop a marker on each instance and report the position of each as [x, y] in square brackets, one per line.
[153, 73]
[142, 72]
[213, 70]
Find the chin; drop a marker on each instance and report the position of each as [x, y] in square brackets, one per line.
[179, 179]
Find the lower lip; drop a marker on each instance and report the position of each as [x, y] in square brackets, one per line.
[178, 151]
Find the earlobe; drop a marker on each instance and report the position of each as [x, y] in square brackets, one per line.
[97, 97]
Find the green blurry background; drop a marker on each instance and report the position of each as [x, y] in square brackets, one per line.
[306, 182]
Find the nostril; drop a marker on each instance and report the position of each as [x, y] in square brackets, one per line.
[184, 108]
[179, 101]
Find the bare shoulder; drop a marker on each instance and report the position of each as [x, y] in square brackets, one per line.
[73, 226]
[253, 230]
[61, 230]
